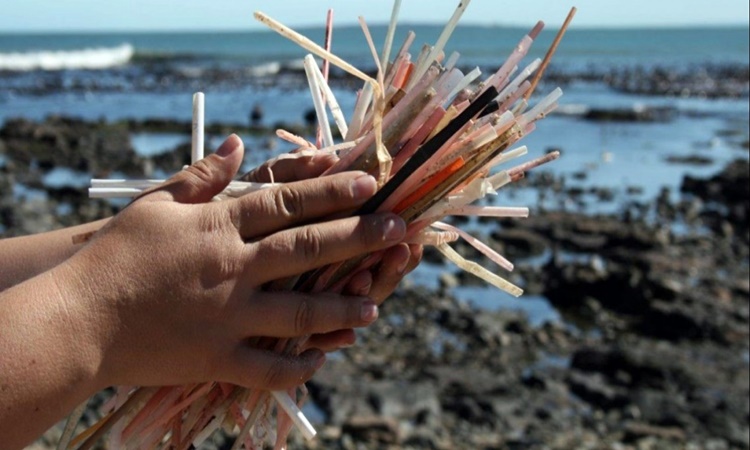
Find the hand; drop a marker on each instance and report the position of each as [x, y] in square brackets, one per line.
[378, 283]
[173, 288]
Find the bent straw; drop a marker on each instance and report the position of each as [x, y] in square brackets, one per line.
[311, 46]
[550, 52]
[479, 271]
[196, 147]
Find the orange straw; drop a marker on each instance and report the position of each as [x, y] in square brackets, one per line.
[429, 185]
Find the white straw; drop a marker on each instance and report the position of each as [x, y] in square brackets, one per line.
[198, 127]
[443, 39]
[463, 84]
[114, 192]
[317, 96]
[101, 183]
[541, 108]
[333, 104]
[360, 110]
[510, 89]
[133, 188]
[389, 35]
[452, 60]
[292, 410]
[507, 156]
[489, 211]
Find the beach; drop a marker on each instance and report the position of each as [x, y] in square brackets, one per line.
[633, 329]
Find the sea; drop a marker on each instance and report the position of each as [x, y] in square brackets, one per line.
[117, 76]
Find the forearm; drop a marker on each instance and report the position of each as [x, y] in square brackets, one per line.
[25, 257]
[48, 361]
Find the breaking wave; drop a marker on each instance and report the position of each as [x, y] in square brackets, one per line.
[88, 58]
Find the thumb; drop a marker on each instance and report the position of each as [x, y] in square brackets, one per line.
[205, 179]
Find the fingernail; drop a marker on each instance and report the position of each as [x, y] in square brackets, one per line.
[231, 144]
[368, 311]
[394, 228]
[401, 268]
[364, 289]
[364, 186]
[349, 344]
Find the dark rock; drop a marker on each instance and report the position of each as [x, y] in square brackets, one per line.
[693, 160]
[519, 243]
[635, 431]
[375, 430]
[594, 389]
[663, 114]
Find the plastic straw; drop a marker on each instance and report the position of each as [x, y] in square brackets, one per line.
[294, 413]
[389, 34]
[317, 96]
[443, 39]
[196, 146]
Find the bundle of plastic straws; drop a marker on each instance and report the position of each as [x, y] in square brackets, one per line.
[437, 140]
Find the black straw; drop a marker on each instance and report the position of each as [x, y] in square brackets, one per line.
[427, 150]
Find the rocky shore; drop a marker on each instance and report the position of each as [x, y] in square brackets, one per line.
[709, 80]
[651, 351]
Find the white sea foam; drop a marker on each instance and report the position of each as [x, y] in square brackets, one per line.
[263, 70]
[88, 58]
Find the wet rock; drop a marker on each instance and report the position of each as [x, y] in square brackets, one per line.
[374, 430]
[692, 160]
[520, 243]
[636, 114]
[729, 189]
[635, 431]
[594, 389]
[707, 81]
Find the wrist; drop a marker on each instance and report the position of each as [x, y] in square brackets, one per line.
[81, 321]
[51, 359]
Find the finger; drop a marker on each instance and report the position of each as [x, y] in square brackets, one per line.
[280, 207]
[298, 250]
[396, 263]
[330, 342]
[263, 369]
[292, 314]
[359, 284]
[200, 182]
[293, 167]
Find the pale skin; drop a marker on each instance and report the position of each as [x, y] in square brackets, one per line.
[170, 290]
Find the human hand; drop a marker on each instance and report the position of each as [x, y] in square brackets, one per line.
[173, 286]
[377, 283]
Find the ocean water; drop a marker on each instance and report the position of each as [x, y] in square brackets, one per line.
[153, 75]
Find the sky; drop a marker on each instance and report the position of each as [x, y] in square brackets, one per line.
[153, 15]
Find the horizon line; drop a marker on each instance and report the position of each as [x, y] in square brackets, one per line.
[623, 27]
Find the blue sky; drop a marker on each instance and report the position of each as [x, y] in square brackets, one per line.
[110, 15]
